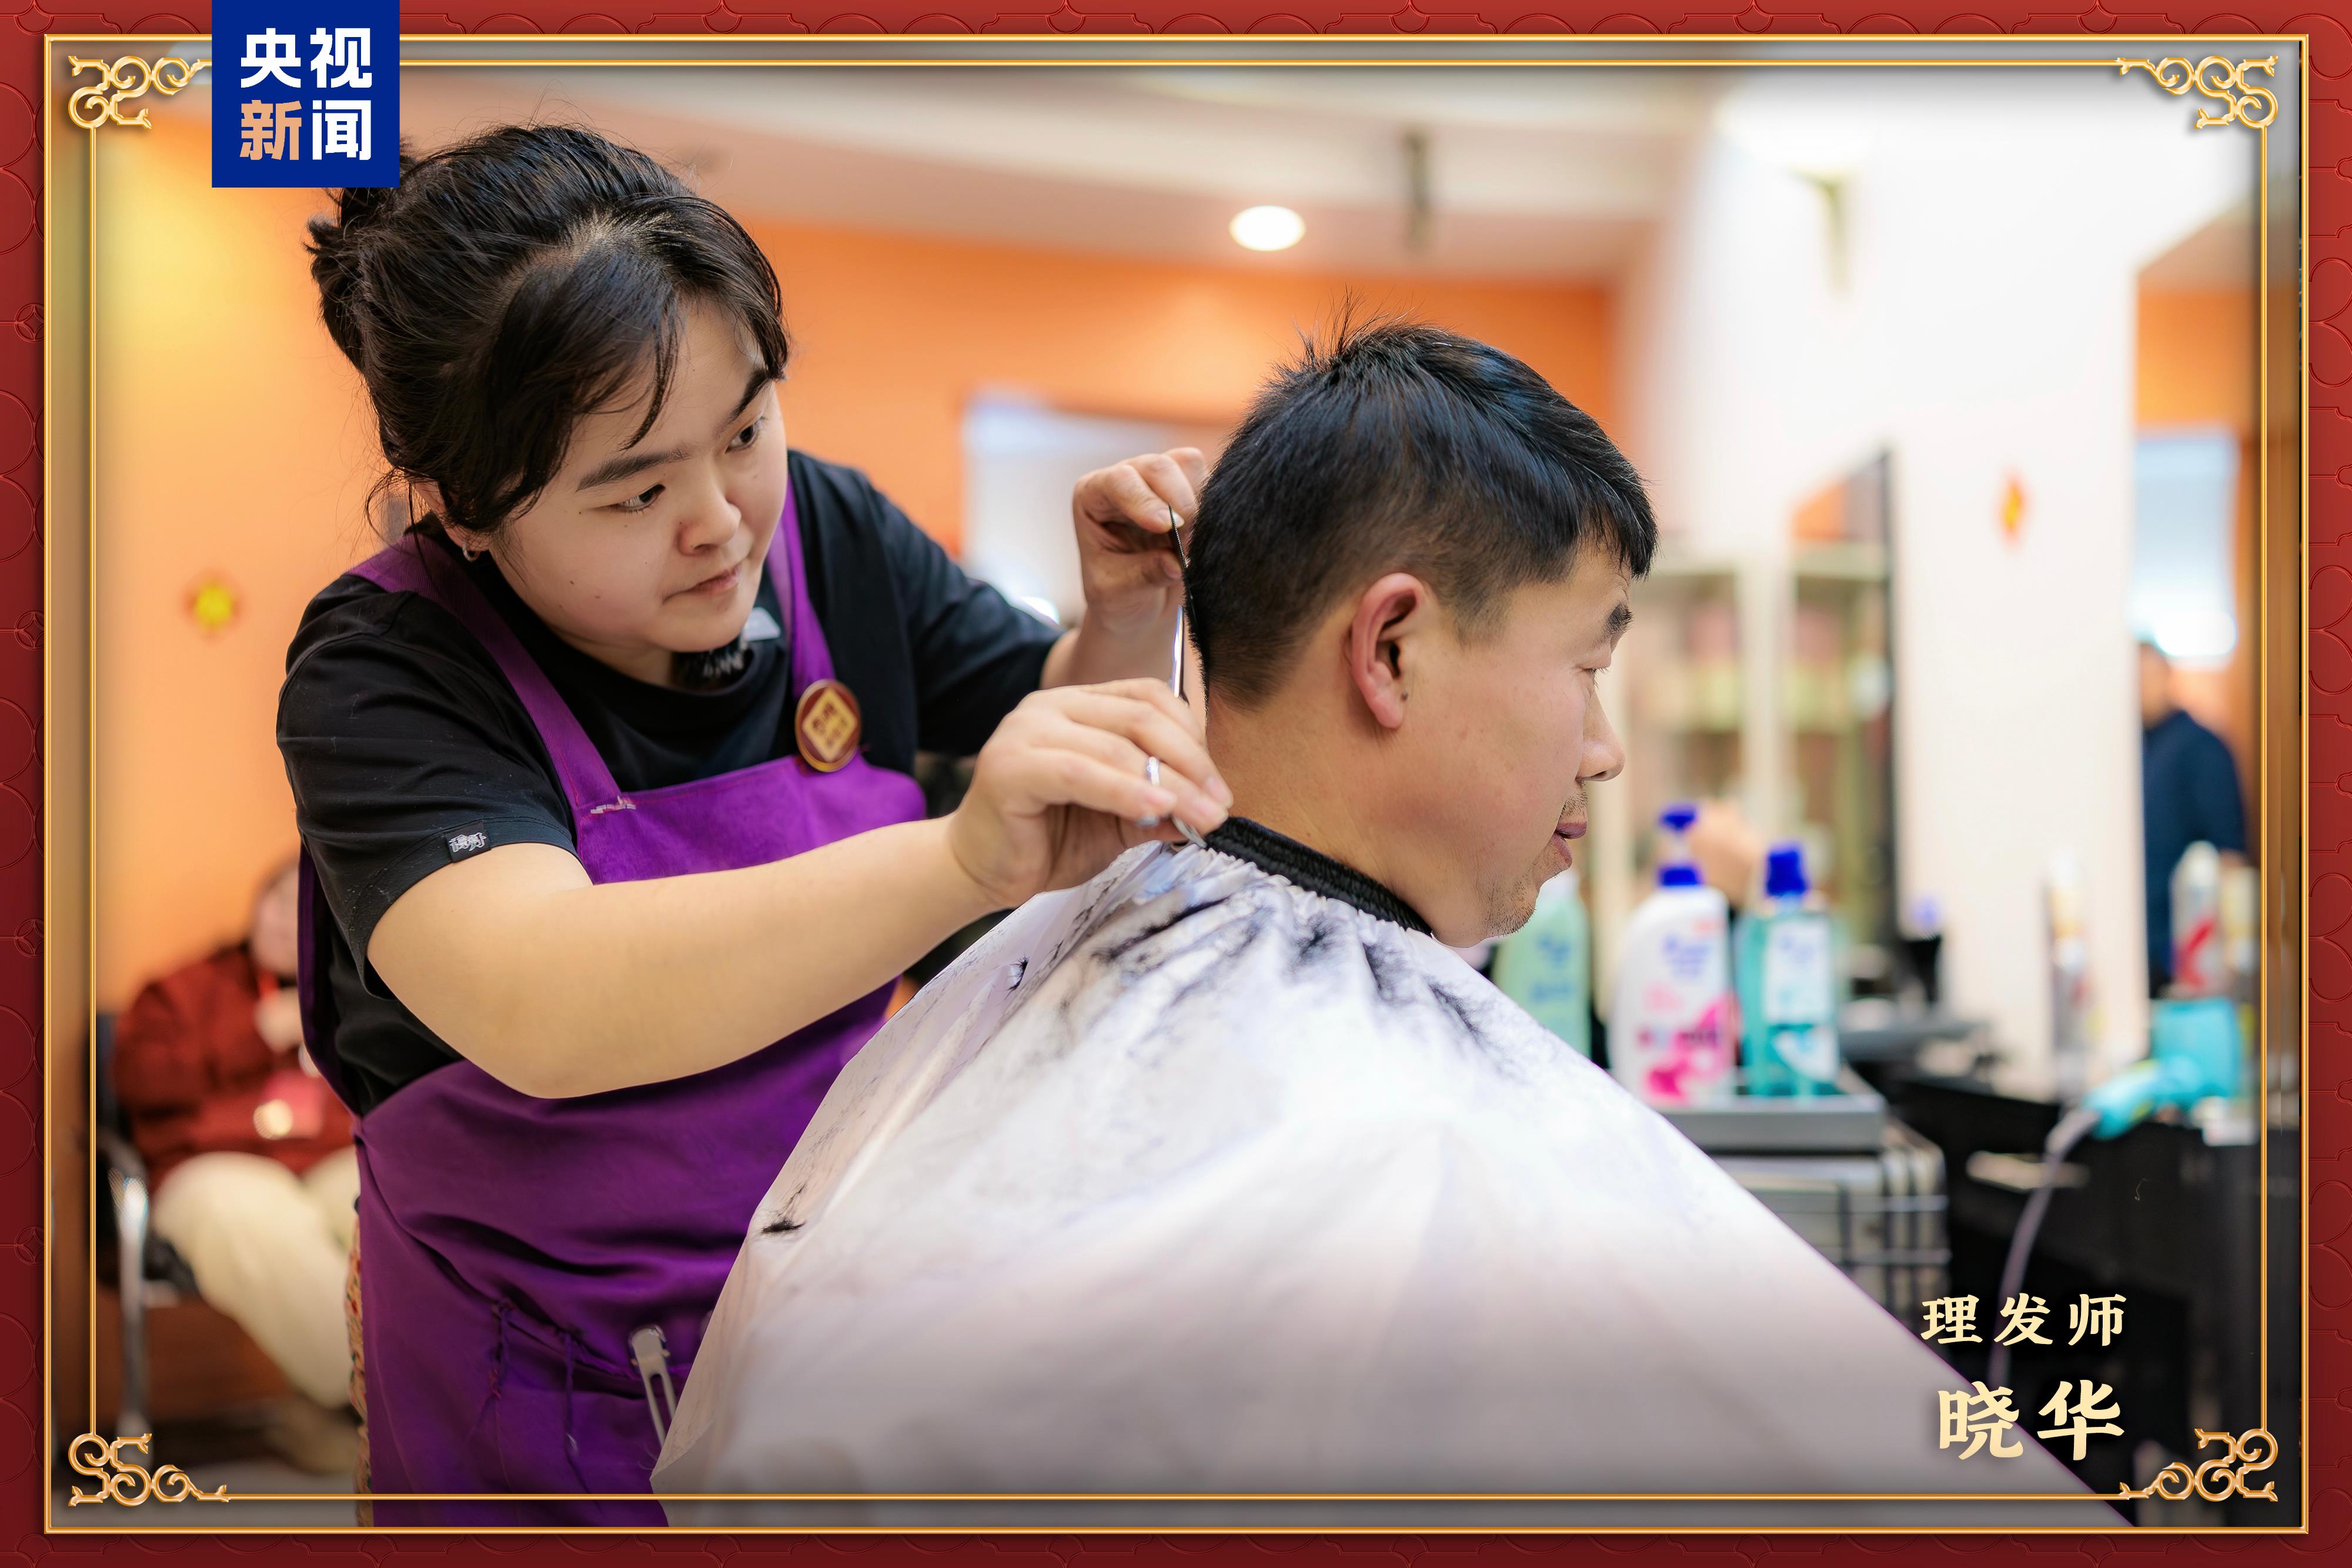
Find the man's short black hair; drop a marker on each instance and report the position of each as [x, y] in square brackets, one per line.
[1392, 446]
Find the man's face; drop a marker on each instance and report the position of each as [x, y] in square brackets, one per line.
[1505, 731]
[273, 941]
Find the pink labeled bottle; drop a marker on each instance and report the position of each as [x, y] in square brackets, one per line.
[1673, 1026]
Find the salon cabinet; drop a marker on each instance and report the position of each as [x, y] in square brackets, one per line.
[2159, 1215]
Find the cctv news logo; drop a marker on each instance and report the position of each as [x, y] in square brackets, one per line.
[306, 95]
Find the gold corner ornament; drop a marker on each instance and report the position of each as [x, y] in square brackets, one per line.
[2216, 1480]
[130, 1485]
[2218, 79]
[128, 78]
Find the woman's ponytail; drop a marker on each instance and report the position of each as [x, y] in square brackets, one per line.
[337, 249]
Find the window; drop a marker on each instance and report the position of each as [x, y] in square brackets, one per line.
[2183, 587]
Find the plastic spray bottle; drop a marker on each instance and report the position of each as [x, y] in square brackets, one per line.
[1787, 986]
[2200, 959]
[1673, 1025]
[2072, 1019]
[2241, 930]
[2242, 936]
[1546, 965]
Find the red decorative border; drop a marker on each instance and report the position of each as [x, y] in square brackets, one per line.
[2330, 696]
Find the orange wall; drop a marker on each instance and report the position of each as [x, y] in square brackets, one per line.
[2197, 357]
[2197, 367]
[236, 441]
[894, 334]
[232, 440]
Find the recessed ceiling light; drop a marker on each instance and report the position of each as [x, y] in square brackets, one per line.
[1267, 228]
[1800, 136]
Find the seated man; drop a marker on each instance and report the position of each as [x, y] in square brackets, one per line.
[1222, 1175]
[249, 1156]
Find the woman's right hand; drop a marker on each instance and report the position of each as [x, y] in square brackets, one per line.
[1729, 852]
[1058, 789]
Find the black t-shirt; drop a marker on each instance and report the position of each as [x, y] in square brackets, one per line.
[400, 732]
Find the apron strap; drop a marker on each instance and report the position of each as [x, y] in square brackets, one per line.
[415, 566]
[811, 660]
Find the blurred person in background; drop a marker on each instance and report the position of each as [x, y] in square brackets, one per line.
[2188, 794]
[248, 1155]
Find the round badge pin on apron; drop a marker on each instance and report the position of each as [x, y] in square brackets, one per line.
[537, 1269]
[827, 726]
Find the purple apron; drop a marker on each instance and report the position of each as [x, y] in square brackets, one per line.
[514, 1245]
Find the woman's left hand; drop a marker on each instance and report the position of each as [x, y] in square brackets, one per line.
[1122, 514]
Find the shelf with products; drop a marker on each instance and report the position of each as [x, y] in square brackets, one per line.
[1839, 702]
[1681, 698]
[1838, 699]
[1686, 693]
[1765, 678]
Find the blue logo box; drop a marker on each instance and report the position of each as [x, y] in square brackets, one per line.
[306, 95]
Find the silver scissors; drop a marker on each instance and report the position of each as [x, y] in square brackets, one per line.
[1175, 685]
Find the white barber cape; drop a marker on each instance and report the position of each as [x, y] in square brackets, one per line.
[1190, 1180]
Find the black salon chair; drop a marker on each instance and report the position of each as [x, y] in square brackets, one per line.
[162, 1277]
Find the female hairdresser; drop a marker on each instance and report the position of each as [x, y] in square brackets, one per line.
[602, 775]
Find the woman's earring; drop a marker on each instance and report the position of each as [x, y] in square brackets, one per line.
[470, 554]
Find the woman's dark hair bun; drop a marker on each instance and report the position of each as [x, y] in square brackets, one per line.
[334, 246]
[355, 207]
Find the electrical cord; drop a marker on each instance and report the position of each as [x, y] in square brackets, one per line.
[2071, 1129]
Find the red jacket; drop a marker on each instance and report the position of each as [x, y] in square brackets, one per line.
[192, 1071]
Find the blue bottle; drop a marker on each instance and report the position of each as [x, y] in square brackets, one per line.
[1546, 965]
[1788, 986]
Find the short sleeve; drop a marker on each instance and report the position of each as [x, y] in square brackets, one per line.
[406, 750]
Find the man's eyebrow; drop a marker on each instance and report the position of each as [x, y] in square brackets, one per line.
[618, 468]
[1619, 618]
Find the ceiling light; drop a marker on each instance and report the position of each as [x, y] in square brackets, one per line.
[1267, 228]
[1802, 137]
[2196, 636]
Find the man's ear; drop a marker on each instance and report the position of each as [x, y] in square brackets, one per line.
[1391, 617]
